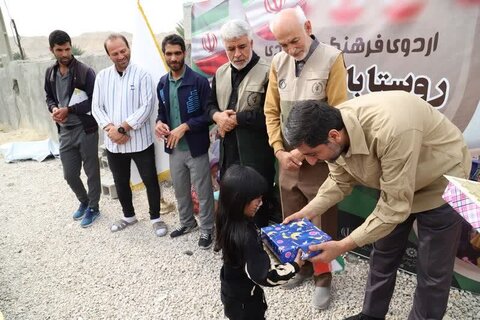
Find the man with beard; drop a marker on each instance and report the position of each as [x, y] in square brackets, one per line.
[183, 125]
[123, 101]
[236, 106]
[397, 143]
[69, 87]
[306, 70]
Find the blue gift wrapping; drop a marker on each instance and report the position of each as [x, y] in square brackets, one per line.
[284, 240]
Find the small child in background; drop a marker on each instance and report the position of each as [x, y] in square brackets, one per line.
[246, 265]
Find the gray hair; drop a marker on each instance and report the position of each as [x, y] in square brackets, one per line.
[235, 29]
[299, 15]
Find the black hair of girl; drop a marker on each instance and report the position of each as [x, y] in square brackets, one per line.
[238, 187]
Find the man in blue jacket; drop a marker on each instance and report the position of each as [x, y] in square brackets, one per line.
[183, 125]
[68, 89]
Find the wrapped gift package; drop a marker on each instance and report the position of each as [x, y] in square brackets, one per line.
[284, 240]
[464, 196]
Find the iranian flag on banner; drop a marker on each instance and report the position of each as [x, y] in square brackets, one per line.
[260, 13]
[207, 48]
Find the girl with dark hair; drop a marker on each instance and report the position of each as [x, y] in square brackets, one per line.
[246, 265]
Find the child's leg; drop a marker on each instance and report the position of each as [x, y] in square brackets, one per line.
[251, 310]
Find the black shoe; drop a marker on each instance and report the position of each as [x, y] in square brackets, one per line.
[205, 241]
[362, 316]
[180, 231]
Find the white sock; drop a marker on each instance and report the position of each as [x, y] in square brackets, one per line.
[155, 220]
[129, 219]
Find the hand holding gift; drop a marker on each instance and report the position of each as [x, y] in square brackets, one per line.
[298, 259]
[331, 249]
[299, 216]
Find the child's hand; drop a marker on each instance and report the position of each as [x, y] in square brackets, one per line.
[298, 258]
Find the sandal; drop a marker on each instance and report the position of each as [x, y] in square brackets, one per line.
[121, 224]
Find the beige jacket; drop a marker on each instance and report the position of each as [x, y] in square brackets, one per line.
[400, 145]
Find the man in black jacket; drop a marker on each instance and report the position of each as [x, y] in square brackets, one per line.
[69, 88]
[236, 106]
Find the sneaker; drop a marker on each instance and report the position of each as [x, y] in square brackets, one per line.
[90, 216]
[321, 298]
[205, 241]
[78, 215]
[160, 228]
[180, 231]
[362, 316]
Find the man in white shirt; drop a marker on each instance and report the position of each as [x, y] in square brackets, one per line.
[123, 101]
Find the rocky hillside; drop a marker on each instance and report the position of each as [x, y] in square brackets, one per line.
[37, 48]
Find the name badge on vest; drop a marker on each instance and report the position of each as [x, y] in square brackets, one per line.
[253, 99]
[315, 88]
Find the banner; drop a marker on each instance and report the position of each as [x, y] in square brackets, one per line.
[146, 52]
[429, 48]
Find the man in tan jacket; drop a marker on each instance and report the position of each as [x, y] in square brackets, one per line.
[306, 70]
[399, 144]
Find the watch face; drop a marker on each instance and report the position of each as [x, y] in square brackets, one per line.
[122, 130]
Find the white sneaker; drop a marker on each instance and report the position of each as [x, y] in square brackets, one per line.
[160, 228]
[321, 298]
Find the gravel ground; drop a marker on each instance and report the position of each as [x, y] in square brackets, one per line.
[50, 268]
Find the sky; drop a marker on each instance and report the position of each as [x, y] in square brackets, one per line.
[40, 17]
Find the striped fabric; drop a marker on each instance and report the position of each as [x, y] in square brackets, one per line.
[129, 98]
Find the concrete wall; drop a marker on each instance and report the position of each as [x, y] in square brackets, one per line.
[22, 97]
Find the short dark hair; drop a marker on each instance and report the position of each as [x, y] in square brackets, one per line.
[173, 39]
[58, 37]
[114, 36]
[310, 121]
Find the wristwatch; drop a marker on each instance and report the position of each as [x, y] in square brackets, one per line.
[122, 130]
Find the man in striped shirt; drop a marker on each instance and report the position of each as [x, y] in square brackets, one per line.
[123, 101]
